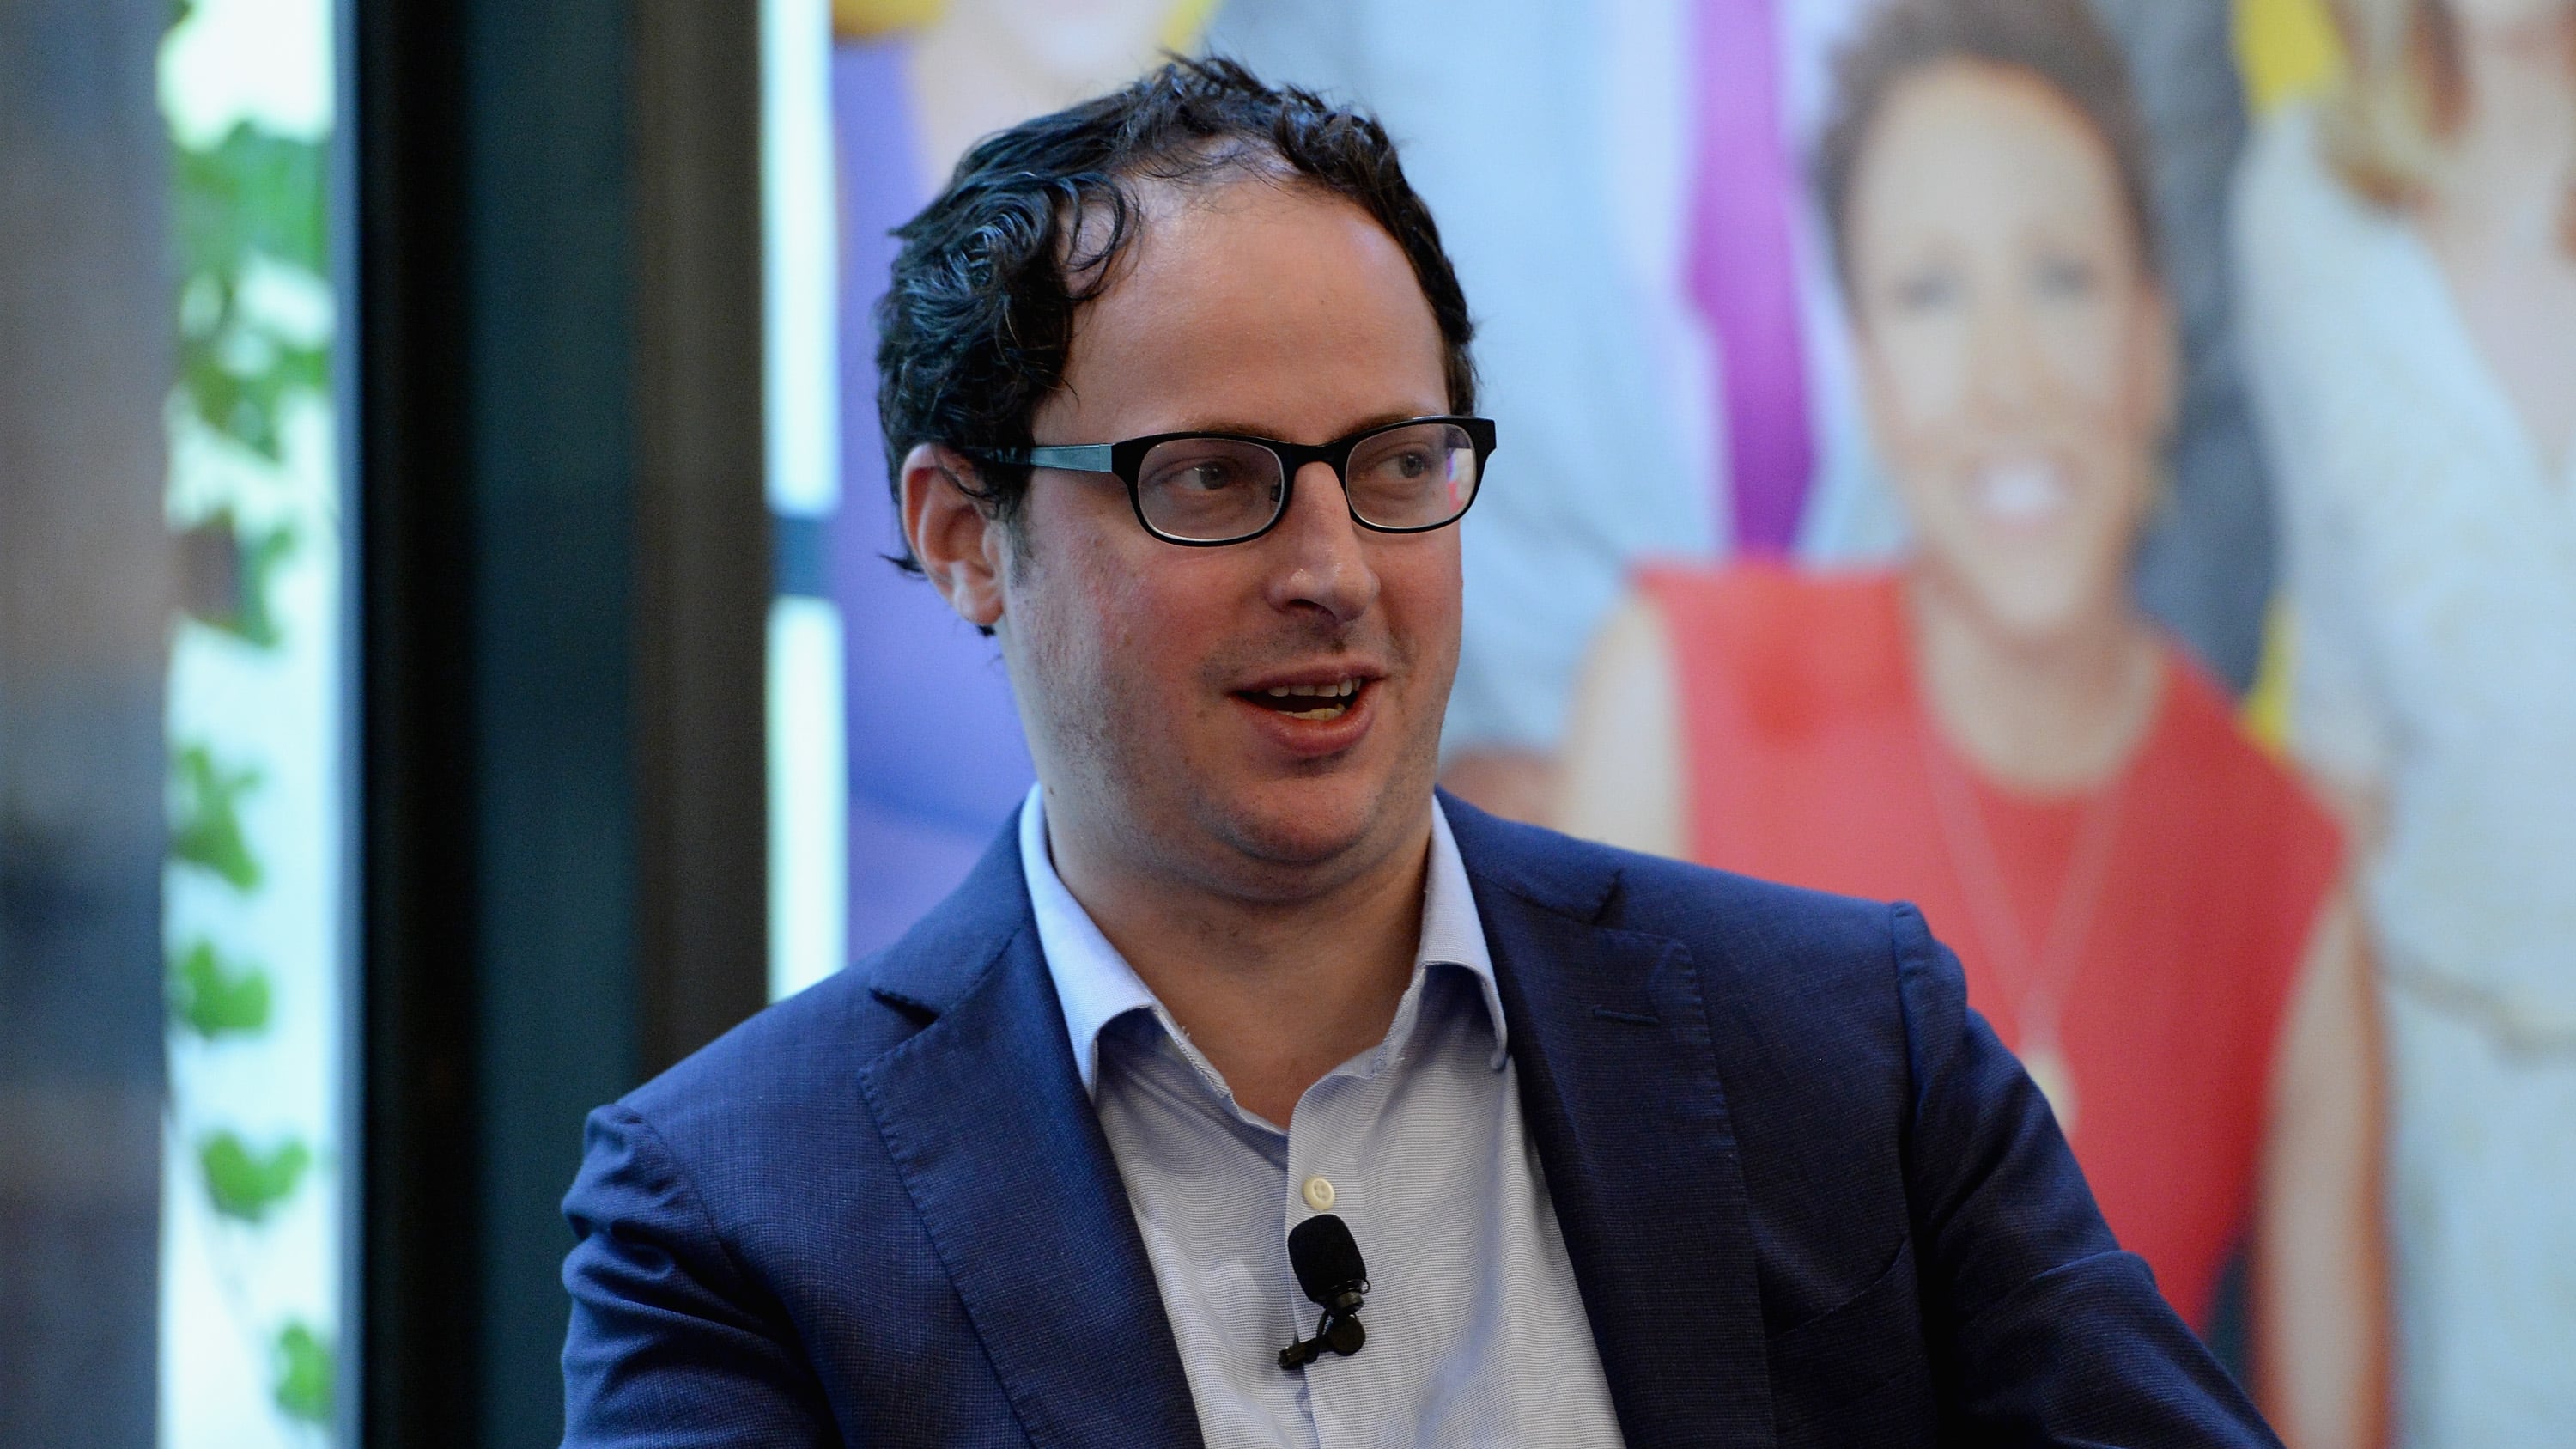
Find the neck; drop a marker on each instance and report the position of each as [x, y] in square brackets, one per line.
[1275, 988]
[2513, 157]
[2049, 714]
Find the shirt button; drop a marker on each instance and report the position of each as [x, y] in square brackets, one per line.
[1319, 1194]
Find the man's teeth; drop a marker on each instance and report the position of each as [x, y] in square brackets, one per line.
[1333, 699]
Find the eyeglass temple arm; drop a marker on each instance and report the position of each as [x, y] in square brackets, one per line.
[1082, 458]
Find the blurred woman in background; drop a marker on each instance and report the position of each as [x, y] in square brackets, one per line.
[2408, 251]
[2146, 906]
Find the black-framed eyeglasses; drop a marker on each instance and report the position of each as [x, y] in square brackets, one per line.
[1205, 489]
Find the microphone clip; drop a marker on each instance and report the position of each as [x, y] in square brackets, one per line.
[1330, 1271]
[1339, 1330]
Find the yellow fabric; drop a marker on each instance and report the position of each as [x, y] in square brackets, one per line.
[2265, 711]
[869, 19]
[1182, 25]
[2286, 50]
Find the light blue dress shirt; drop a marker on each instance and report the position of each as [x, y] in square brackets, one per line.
[1476, 1330]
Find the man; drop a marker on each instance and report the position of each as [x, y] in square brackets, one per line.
[1633, 1152]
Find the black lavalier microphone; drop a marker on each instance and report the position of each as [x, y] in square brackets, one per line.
[1330, 1270]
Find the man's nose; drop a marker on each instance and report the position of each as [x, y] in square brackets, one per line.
[1320, 562]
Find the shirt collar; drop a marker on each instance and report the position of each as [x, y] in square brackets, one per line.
[1096, 986]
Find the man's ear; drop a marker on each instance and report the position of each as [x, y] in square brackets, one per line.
[958, 544]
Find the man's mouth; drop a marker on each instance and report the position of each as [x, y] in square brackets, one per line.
[1308, 701]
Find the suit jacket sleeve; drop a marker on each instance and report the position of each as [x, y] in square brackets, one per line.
[2042, 1330]
[670, 1344]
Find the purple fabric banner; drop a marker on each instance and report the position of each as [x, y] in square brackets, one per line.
[936, 758]
[1742, 272]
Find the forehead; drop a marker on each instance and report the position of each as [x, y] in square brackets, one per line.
[1252, 302]
[1972, 142]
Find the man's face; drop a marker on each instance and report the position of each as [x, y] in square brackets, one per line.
[1145, 669]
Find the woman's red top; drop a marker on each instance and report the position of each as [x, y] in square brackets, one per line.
[1810, 760]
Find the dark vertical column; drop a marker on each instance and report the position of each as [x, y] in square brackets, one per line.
[420, 1376]
[86, 348]
[566, 585]
[702, 541]
[552, 466]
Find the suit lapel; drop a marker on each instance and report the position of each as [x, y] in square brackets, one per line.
[985, 1118]
[1610, 1034]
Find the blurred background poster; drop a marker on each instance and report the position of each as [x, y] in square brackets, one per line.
[2103, 470]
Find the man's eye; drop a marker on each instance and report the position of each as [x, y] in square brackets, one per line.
[1214, 475]
[1399, 465]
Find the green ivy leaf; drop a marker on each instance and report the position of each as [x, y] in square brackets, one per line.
[252, 194]
[206, 829]
[214, 1000]
[261, 553]
[304, 1374]
[244, 1184]
[245, 406]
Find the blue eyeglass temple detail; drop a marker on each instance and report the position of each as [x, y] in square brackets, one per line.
[1076, 458]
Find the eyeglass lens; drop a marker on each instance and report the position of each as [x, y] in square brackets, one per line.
[1217, 489]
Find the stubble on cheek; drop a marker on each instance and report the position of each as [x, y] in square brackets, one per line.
[1138, 719]
[1107, 721]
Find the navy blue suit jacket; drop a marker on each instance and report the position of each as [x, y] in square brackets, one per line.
[1808, 1197]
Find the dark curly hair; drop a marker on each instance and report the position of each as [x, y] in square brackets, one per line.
[977, 328]
[2057, 42]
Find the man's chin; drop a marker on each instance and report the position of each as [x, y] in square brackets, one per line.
[1314, 824]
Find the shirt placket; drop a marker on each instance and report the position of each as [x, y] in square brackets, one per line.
[1326, 1174]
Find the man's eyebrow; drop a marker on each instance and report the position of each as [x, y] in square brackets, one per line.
[1258, 430]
